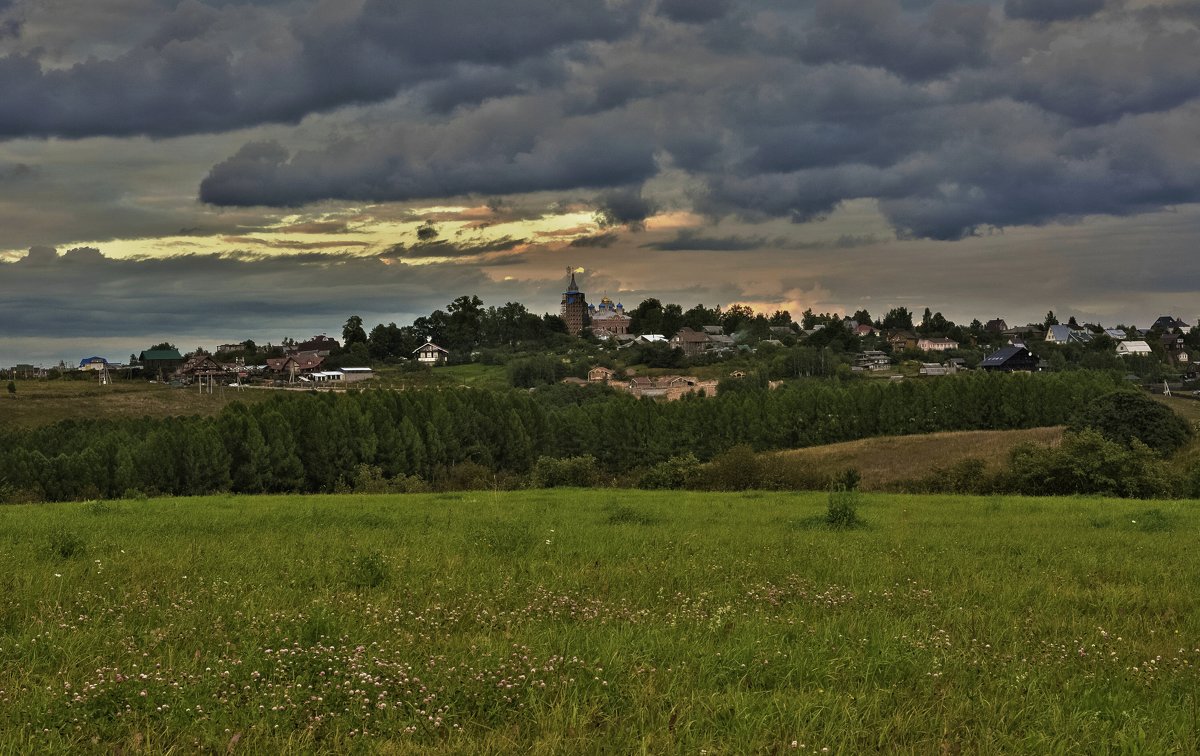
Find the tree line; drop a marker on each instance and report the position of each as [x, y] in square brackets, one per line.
[324, 442]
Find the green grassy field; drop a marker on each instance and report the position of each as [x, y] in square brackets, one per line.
[42, 402]
[599, 621]
[474, 375]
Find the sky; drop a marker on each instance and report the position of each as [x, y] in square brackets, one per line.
[208, 171]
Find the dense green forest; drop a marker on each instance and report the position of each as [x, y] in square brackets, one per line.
[324, 442]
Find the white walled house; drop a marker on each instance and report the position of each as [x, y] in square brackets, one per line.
[936, 345]
[1127, 348]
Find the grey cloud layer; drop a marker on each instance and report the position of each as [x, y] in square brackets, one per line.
[211, 67]
[955, 116]
[82, 293]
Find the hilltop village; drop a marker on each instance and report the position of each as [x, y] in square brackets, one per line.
[662, 351]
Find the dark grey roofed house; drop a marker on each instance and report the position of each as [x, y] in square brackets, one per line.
[1168, 323]
[1010, 358]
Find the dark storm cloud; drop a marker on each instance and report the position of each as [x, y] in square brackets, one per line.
[209, 68]
[694, 11]
[691, 240]
[1051, 10]
[518, 145]
[623, 207]
[606, 239]
[10, 25]
[1100, 78]
[944, 38]
[955, 117]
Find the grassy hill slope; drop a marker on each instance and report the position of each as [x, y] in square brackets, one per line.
[886, 461]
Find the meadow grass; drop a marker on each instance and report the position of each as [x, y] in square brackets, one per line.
[599, 621]
[42, 402]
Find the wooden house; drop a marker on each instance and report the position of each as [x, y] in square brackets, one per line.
[431, 354]
[1011, 359]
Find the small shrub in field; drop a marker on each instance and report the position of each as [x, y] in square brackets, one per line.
[842, 512]
[677, 472]
[65, 544]
[1087, 463]
[1125, 416]
[368, 570]
[552, 472]
[368, 479]
[848, 479]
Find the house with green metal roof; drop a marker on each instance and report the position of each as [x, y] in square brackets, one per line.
[160, 362]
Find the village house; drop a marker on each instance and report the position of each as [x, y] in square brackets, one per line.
[1064, 334]
[1011, 359]
[996, 325]
[355, 374]
[669, 387]
[901, 340]
[341, 375]
[1173, 344]
[160, 362]
[1133, 347]
[600, 374]
[872, 361]
[936, 344]
[934, 369]
[98, 364]
[322, 345]
[693, 343]
[1168, 323]
[201, 364]
[295, 365]
[431, 354]
[697, 342]
[1022, 334]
